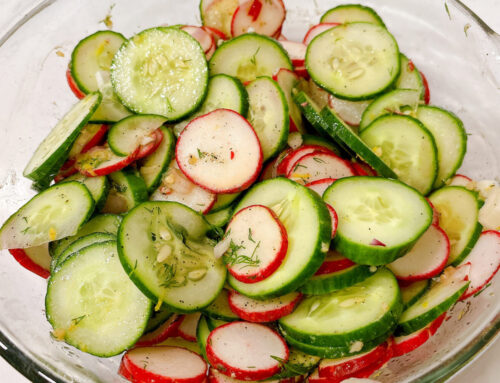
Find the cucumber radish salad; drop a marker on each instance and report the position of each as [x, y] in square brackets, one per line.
[223, 204]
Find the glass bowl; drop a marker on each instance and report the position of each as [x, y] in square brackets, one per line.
[458, 53]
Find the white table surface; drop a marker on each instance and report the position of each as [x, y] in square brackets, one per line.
[483, 368]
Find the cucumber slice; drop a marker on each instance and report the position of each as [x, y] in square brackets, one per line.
[162, 246]
[202, 333]
[397, 101]
[224, 201]
[350, 13]
[354, 61]
[249, 56]
[326, 283]
[434, 302]
[379, 219]
[153, 166]
[157, 318]
[411, 293]
[104, 223]
[268, 115]
[127, 190]
[406, 145]
[98, 187]
[409, 77]
[91, 55]
[308, 225]
[219, 309]
[361, 312]
[298, 363]
[288, 81]
[55, 213]
[92, 304]
[327, 123]
[54, 149]
[214, 323]
[80, 244]
[224, 92]
[127, 135]
[218, 14]
[220, 218]
[160, 71]
[458, 210]
[450, 137]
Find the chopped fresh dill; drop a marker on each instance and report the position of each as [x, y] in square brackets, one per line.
[319, 160]
[77, 320]
[253, 59]
[447, 9]
[299, 166]
[233, 258]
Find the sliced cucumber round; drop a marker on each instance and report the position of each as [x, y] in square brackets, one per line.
[92, 304]
[224, 201]
[397, 101]
[308, 226]
[163, 248]
[219, 308]
[350, 13]
[157, 318]
[407, 146]
[127, 135]
[53, 214]
[409, 77]
[127, 190]
[450, 137]
[98, 187]
[361, 312]
[298, 363]
[54, 149]
[220, 218]
[249, 56]
[202, 333]
[354, 61]
[458, 210]
[326, 283]
[411, 293]
[268, 115]
[161, 71]
[94, 54]
[154, 166]
[379, 219]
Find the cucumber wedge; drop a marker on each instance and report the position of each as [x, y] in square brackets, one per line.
[326, 283]
[54, 149]
[361, 312]
[164, 249]
[458, 210]
[92, 304]
[379, 220]
[450, 138]
[435, 301]
[98, 187]
[153, 166]
[407, 146]
[308, 226]
[160, 71]
[53, 214]
[268, 115]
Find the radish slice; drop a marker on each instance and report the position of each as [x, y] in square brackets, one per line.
[261, 16]
[296, 52]
[347, 366]
[436, 324]
[101, 161]
[334, 262]
[72, 85]
[404, 344]
[68, 169]
[205, 38]
[269, 170]
[484, 260]
[167, 329]
[35, 259]
[301, 71]
[435, 213]
[90, 136]
[247, 351]
[220, 152]
[187, 328]
[216, 34]
[150, 148]
[426, 259]
[316, 30]
[427, 92]
[461, 180]
[258, 244]
[286, 165]
[319, 165]
[267, 310]
[363, 169]
[368, 371]
[349, 111]
[215, 376]
[122, 370]
[165, 364]
[218, 15]
[280, 167]
[334, 217]
[211, 52]
[319, 186]
[175, 186]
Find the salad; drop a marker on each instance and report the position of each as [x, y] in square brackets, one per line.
[225, 204]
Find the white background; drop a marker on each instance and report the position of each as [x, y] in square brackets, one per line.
[481, 370]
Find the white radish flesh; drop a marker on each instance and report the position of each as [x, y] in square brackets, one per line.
[296, 52]
[187, 328]
[316, 30]
[286, 165]
[319, 186]
[489, 214]
[316, 166]
[261, 16]
[203, 37]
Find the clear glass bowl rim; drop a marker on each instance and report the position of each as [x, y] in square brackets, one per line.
[38, 374]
